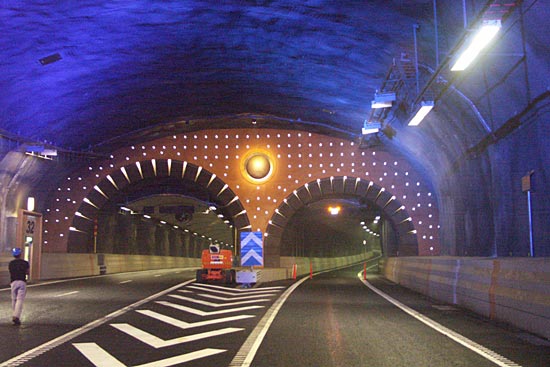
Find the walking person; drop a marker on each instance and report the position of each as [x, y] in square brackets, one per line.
[19, 270]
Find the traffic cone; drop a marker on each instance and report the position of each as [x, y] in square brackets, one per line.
[294, 270]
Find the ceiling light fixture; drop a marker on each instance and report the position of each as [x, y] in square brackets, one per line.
[478, 42]
[420, 112]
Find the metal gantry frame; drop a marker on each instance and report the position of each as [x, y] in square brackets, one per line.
[403, 76]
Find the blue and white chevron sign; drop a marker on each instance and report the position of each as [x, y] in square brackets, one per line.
[252, 249]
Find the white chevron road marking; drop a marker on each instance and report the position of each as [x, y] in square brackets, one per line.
[157, 342]
[186, 325]
[235, 298]
[205, 313]
[267, 292]
[101, 358]
[211, 304]
[225, 292]
[237, 289]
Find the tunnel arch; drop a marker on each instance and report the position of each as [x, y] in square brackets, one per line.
[342, 186]
[110, 186]
[299, 157]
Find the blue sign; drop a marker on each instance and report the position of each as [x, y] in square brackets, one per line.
[252, 249]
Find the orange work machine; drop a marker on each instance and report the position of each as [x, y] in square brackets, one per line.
[216, 266]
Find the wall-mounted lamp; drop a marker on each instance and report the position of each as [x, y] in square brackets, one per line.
[420, 112]
[473, 46]
[334, 210]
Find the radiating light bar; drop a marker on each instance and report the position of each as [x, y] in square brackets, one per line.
[425, 108]
[478, 42]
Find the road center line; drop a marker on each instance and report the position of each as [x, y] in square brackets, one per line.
[468, 343]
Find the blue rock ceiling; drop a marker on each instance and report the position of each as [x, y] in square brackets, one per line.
[77, 74]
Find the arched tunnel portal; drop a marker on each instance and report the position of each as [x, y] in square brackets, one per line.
[303, 167]
[367, 198]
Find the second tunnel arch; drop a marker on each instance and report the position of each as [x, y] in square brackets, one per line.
[390, 207]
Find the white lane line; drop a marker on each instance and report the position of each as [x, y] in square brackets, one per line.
[227, 293]
[237, 289]
[35, 352]
[211, 304]
[66, 294]
[158, 275]
[157, 342]
[101, 358]
[194, 311]
[87, 278]
[186, 325]
[468, 343]
[126, 281]
[234, 298]
[245, 355]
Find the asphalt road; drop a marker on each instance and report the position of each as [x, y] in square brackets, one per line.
[335, 320]
[162, 318]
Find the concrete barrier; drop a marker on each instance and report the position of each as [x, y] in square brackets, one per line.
[60, 265]
[513, 290]
[68, 265]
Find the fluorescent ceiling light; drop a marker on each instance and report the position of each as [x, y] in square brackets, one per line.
[478, 42]
[421, 112]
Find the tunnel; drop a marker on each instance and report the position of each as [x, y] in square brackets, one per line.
[408, 136]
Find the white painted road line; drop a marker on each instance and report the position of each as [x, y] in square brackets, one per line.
[97, 355]
[35, 352]
[237, 289]
[211, 304]
[468, 343]
[126, 281]
[246, 354]
[194, 311]
[235, 298]
[186, 325]
[66, 294]
[157, 342]
[83, 278]
[228, 293]
[101, 358]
